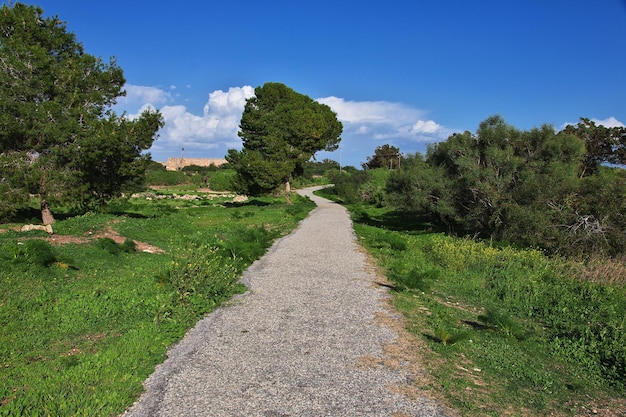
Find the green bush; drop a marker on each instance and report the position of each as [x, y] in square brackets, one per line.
[200, 271]
[222, 180]
[347, 185]
[246, 244]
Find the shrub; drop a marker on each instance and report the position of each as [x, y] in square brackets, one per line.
[222, 180]
[247, 244]
[199, 270]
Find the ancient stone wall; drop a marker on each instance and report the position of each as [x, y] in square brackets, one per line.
[174, 164]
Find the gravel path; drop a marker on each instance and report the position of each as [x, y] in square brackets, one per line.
[291, 345]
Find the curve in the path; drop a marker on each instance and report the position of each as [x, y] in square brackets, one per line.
[290, 346]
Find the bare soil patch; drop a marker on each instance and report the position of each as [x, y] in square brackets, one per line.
[106, 233]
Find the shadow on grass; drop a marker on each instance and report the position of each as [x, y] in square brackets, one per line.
[134, 215]
[253, 202]
[395, 221]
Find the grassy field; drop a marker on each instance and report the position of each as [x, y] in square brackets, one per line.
[86, 314]
[503, 331]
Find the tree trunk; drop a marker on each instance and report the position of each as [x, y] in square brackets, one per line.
[46, 214]
[288, 192]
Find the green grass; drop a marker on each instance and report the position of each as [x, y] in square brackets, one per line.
[83, 324]
[507, 331]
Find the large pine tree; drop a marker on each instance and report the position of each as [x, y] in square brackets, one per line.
[59, 138]
[280, 130]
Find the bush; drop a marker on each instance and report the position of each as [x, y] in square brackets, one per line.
[347, 185]
[246, 244]
[222, 180]
[200, 271]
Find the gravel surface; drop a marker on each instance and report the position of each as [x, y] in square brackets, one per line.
[291, 345]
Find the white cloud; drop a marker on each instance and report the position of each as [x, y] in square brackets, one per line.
[427, 126]
[371, 112]
[383, 120]
[610, 122]
[367, 124]
[215, 128]
[141, 95]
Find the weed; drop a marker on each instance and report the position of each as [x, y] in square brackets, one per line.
[200, 270]
[448, 336]
[503, 323]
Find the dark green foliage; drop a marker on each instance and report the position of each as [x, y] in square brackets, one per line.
[196, 169]
[385, 156]
[59, 138]
[129, 246]
[281, 130]
[258, 174]
[347, 185]
[163, 177]
[318, 168]
[39, 252]
[523, 187]
[222, 180]
[357, 187]
[109, 245]
[603, 144]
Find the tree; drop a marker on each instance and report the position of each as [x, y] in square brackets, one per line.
[59, 138]
[385, 156]
[603, 144]
[280, 131]
[421, 187]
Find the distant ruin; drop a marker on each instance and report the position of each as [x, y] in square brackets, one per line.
[174, 164]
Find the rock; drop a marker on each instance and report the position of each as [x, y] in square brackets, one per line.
[28, 227]
[240, 199]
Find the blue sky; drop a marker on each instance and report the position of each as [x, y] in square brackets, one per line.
[402, 72]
